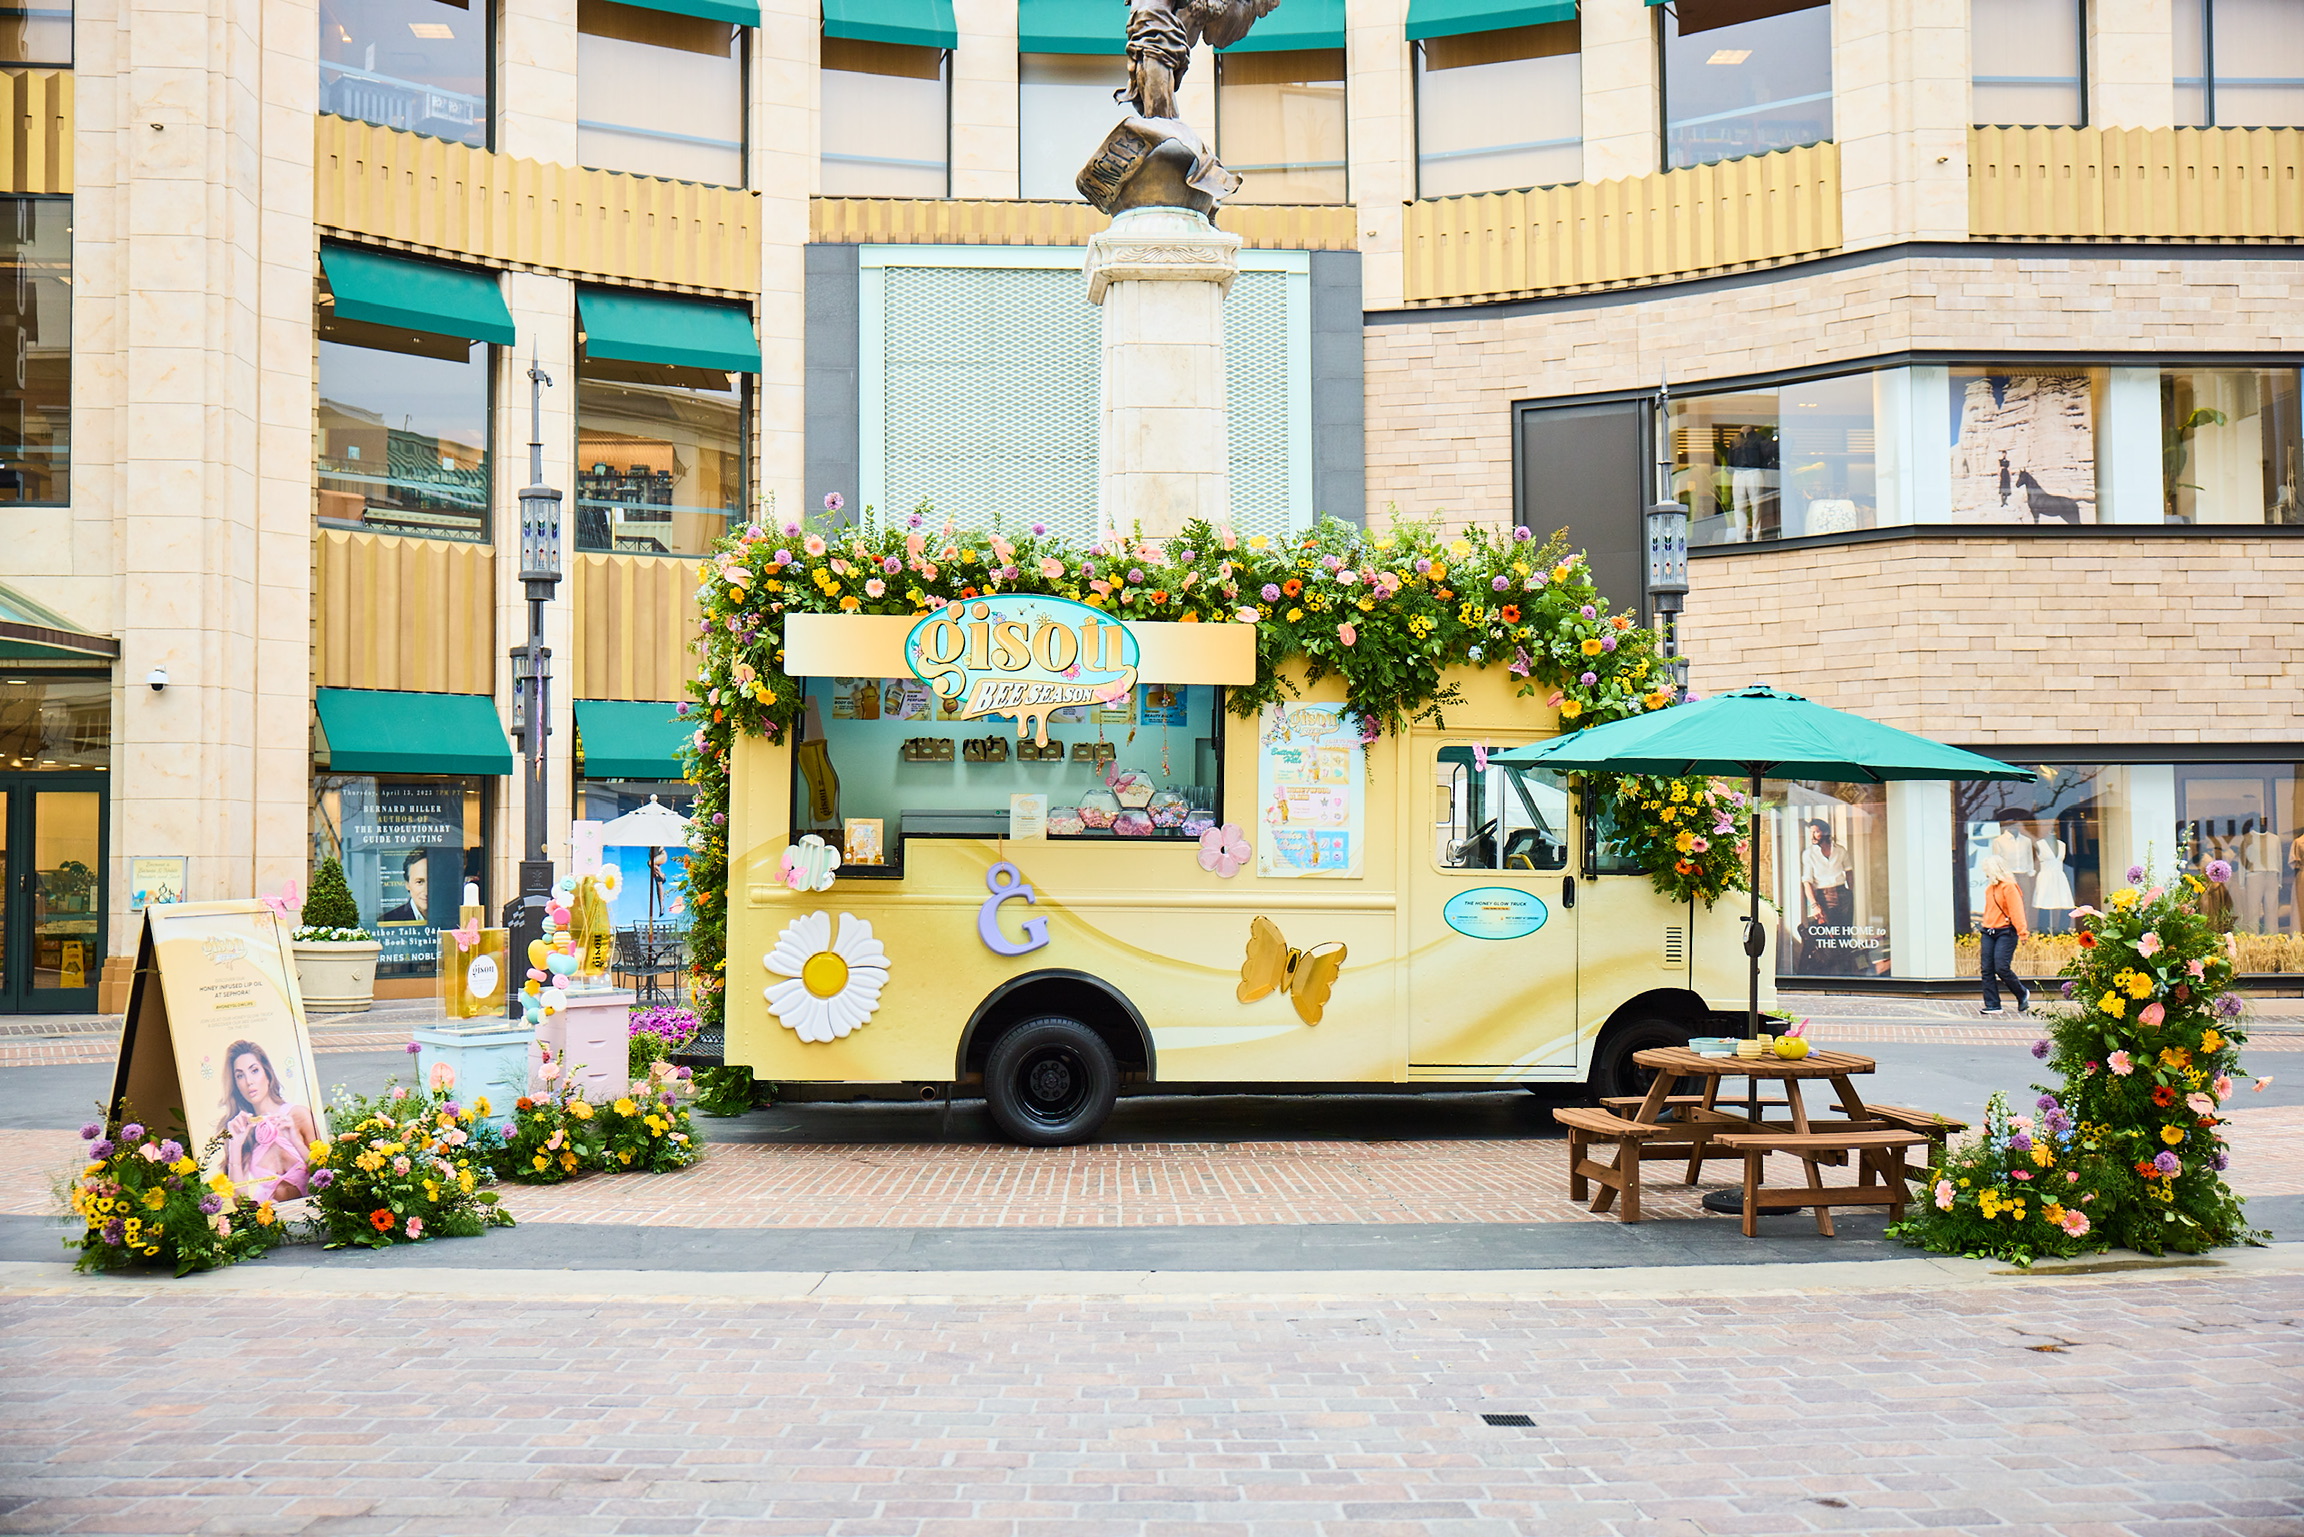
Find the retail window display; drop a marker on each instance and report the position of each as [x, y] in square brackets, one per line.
[419, 65]
[1280, 124]
[1064, 108]
[1824, 863]
[1778, 463]
[659, 455]
[36, 331]
[2058, 836]
[1744, 77]
[2251, 817]
[408, 847]
[55, 722]
[2232, 445]
[886, 120]
[1499, 110]
[659, 93]
[2239, 64]
[403, 432]
[2024, 445]
[872, 772]
[2026, 62]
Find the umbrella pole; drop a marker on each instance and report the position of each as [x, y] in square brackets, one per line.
[1753, 943]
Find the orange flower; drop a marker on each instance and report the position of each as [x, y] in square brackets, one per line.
[1292, 587]
[1684, 867]
[1511, 613]
[2087, 940]
[381, 1220]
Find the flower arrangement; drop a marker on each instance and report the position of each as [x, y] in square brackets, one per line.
[142, 1203]
[2024, 1187]
[1387, 612]
[656, 1034]
[648, 1130]
[329, 916]
[406, 1169]
[1691, 835]
[551, 1137]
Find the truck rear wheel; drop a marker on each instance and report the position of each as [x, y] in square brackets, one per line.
[1051, 1082]
[1613, 1070]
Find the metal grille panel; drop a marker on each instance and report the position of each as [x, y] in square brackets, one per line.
[1256, 346]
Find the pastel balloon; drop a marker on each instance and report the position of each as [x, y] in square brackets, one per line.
[559, 916]
[561, 965]
[537, 974]
[537, 950]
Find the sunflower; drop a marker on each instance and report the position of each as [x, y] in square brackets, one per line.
[831, 984]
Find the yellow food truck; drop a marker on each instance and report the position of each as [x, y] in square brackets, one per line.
[1022, 848]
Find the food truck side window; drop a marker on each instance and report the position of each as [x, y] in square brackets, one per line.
[1497, 818]
[881, 761]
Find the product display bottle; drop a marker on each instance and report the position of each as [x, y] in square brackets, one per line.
[472, 980]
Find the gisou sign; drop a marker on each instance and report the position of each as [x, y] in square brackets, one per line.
[1022, 654]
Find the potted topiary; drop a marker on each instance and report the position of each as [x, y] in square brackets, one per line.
[335, 957]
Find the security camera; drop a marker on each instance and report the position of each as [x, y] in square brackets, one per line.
[158, 678]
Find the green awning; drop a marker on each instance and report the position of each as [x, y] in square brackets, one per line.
[634, 327]
[914, 23]
[376, 731]
[624, 740]
[1072, 26]
[735, 11]
[1454, 18]
[410, 295]
[32, 633]
[1297, 24]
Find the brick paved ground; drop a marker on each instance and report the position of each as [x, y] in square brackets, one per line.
[2167, 1406]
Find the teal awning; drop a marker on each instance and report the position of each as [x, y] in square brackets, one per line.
[1073, 26]
[634, 327]
[1297, 24]
[914, 23]
[1454, 18]
[735, 11]
[377, 731]
[31, 633]
[624, 740]
[410, 295]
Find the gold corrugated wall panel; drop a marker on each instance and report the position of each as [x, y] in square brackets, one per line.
[36, 152]
[2136, 183]
[417, 615]
[635, 618]
[466, 203]
[984, 221]
[1763, 208]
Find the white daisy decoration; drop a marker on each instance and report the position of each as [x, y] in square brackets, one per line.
[831, 983]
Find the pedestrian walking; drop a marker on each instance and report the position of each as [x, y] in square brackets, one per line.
[2003, 924]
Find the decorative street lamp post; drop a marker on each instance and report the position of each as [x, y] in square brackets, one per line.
[1667, 529]
[532, 687]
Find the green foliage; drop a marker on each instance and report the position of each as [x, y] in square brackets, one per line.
[406, 1168]
[2022, 1189]
[329, 905]
[724, 1091]
[648, 1131]
[143, 1205]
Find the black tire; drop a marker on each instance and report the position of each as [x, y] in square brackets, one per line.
[1051, 1082]
[1613, 1070]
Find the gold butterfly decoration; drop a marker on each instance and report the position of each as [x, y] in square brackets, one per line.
[1306, 976]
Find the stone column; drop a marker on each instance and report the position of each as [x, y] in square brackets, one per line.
[1161, 275]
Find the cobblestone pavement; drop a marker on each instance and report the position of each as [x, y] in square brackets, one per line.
[2160, 1405]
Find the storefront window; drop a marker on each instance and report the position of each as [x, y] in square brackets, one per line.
[2024, 445]
[2067, 838]
[36, 334]
[1499, 110]
[2231, 443]
[36, 34]
[409, 846]
[2025, 56]
[885, 122]
[2251, 816]
[659, 94]
[55, 722]
[403, 433]
[659, 457]
[1280, 124]
[2239, 64]
[1064, 108]
[1777, 463]
[1743, 77]
[421, 65]
[1824, 863]
[882, 761]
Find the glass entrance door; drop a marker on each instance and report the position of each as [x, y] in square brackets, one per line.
[52, 899]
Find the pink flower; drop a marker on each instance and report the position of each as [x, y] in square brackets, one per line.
[2024, 1174]
[443, 1078]
[2075, 1223]
[550, 1070]
[2071, 1177]
[1943, 1195]
[2152, 1014]
[400, 1165]
[2122, 1064]
[1347, 634]
[2262, 1084]
[415, 1227]
[2083, 912]
[1225, 850]
[2197, 968]
[2199, 1104]
[1050, 567]
[2223, 1085]
[2148, 946]
[814, 544]
[874, 588]
[399, 1092]
[150, 1152]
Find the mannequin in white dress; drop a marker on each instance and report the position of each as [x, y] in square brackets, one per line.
[2256, 875]
[2014, 846]
[2051, 885]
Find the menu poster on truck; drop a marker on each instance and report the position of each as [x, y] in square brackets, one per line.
[1311, 784]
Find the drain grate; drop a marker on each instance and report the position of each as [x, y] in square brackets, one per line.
[1508, 1419]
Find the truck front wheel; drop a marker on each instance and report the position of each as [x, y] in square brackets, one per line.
[1051, 1082]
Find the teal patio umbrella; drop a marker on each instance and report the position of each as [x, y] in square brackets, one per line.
[1756, 733]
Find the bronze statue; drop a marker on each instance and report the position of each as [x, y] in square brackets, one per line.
[1153, 158]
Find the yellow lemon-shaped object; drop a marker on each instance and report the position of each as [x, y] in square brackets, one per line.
[537, 950]
[1791, 1047]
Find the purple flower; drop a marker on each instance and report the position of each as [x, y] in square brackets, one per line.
[686, 1073]
[453, 1108]
[210, 1205]
[1423, 567]
[412, 1048]
[2039, 1050]
[1589, 612]
[1501, 584]
[681, 709]
[131, 1132]
[1588, 679]
[792, 530]
[1520, 535]
[171, 1150]
[1184, 557]
[2070, 989]
[890, 565]
[2220, 1162]
[1607, 642]
[1330, 562]
[1271, 592]
[2219, 871]
[2135, 874]
[114, 1231]
[2166, 1163]
[2045, 1101]
[1135, 575]
[173, 1182]
[783, 557]
[2229, 1006]
[91, 1132]
[2058, 1121]
[2020, 1143]
[323, 1178]
[1038, 529]
[100, 1148]
[834, 501]
[719, 818]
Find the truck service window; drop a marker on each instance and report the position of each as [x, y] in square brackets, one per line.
[1497, 818]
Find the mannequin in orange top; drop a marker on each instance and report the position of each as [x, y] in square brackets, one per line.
[2003, 924]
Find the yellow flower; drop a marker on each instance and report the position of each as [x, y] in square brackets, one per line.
[1438, 571]
[264, 1216]
[155, 1199]
[2053, 1211]
[2125, 897]
[481, 1104]
[2211, 1042]
[568, 1161]
[2175, 1056]
[2139, 986]
[580, 1109]
[1258, 541]
[540, 1160]
[851, 603]
[1684, 842]
[317, 1152]
[221, 1184]
[2171, 1135]
[464, 1180]
[2042, 1154]
[185, 1165]
[624, 1107]
[1570, 709]
[2114, 1005]
[626, 1157]
[1592, 648]
[1295, 614]
[1460, 548]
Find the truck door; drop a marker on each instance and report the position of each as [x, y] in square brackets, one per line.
[1492, 921]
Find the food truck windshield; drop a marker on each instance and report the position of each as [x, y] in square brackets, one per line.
[880, 761]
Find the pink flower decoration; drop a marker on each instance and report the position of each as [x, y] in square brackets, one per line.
[1347, 634]
[1225, 850]
[2148, 946]
[415, 1227]
[2152, 1015]
[2262, 1084]
[2122, 1065]
[2075, 1223]
[2197, 968]
[2083, 912]
[2024, 1174]
[2199, 1104]
[2223, 1085]
[443, 1078]
[1943, 1195]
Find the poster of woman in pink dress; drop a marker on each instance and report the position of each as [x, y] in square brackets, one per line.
[267, 1138]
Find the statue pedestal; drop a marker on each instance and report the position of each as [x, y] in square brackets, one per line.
[1161, 275]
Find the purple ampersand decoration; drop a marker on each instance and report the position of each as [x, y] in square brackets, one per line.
[1004, 880]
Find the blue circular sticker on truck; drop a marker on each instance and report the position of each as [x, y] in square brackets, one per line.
[1496, 912]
